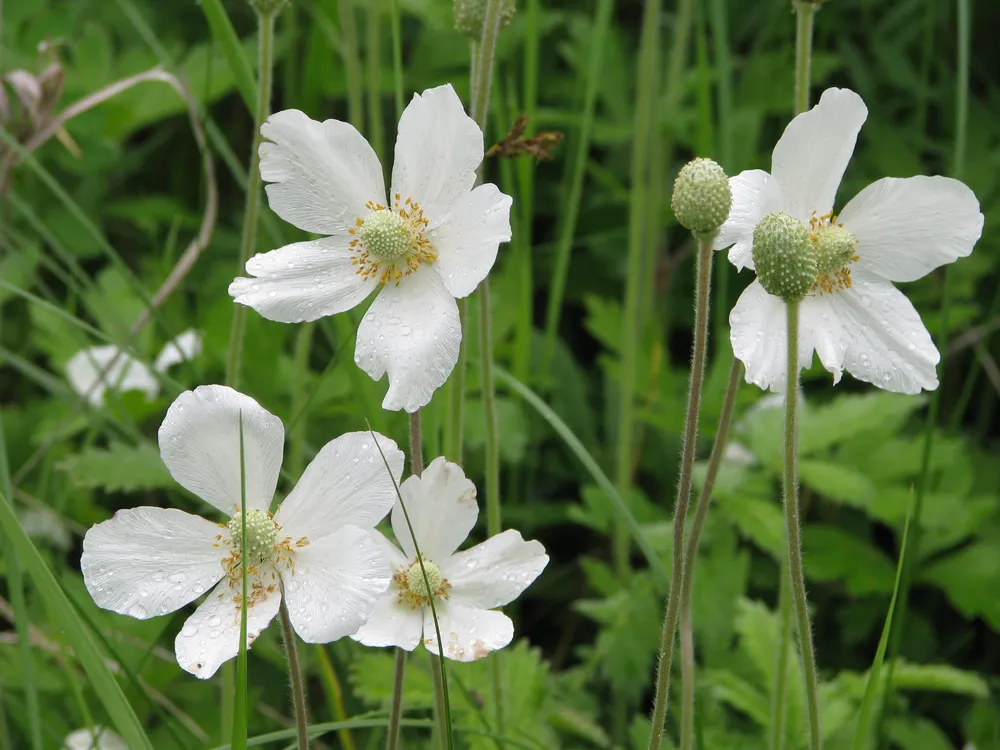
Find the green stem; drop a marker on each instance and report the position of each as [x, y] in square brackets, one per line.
[703, 275]
[396, 704]
[805, 12]
[439, 714]
[295, 676]
[691, 555]
[373, 57]
[483, 76]
[265, 60]
[352, 64]
[790, 495]
[300, 397]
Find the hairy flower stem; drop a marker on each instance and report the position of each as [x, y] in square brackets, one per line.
[265, 58]
[482, 69]
[804, 14]
[294, 676]
[396, 704]
[790, 493]
[691, 555]
[703, 276]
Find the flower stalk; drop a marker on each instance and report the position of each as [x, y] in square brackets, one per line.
[294, 675]
[790, 495]
[703, 275]
[691, 555]
[399, 672]
[493, 21]
[265, 58]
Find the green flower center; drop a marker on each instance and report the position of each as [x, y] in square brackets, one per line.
[413, 590]
[262, 536]
[386, 236]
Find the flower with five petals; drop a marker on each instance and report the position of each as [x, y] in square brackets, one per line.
[431, 241]
[465, 586]
[317, 550]
[895, 230]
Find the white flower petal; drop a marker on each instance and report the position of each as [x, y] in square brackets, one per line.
[810, 158]
[907, 228]
[184, 348]
[468, 241]
[755, 195]
[346, 484]
[392, 624]
[442, 507]
[211, 636]
[438, 149]
[413, 332]
[759, 334]
[334, 585]
[200, 445]
[322, 173]
[887, 343]
[146, 562]
[468, 633]
[495, 572]
[303, 281]
[126, 374]
[83, 739]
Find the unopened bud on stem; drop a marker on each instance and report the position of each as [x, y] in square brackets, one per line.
[783, 256]
[701, 198]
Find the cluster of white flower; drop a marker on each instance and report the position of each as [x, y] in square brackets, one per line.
[319, 550]
[432, 240]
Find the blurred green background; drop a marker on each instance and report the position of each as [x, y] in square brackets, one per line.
[91, 225]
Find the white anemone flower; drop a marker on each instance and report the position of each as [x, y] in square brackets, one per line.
[127, 373]
[853, 317]
[94, 738]
[432, 241]
[466, 586]
[317, 550]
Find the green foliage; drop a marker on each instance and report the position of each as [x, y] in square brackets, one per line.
[118, 468]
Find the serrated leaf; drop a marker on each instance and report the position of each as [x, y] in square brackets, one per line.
[760, 520]
[832, 554]
[850, 416]
[837, 482]
[119, 468]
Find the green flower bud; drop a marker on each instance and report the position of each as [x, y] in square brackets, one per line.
[783, 256]
[470, 15]
[834, 248]
[268, 7]
[701, 198]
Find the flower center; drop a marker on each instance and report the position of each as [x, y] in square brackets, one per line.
[267, 554]
[833, 247]
[262, 535]
[389, 244]
[417, 592]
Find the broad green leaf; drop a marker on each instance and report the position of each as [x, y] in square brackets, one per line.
[942, 678]
[837, 482]
[119, 468]
[832, 554]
